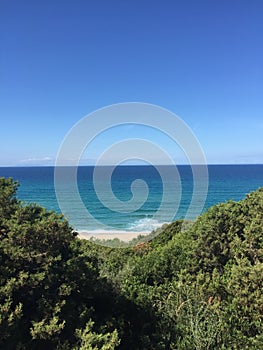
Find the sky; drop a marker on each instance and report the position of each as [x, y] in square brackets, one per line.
[61, 60]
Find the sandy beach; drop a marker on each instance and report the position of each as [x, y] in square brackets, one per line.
[125, 236]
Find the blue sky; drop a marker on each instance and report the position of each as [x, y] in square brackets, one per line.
[61, 60]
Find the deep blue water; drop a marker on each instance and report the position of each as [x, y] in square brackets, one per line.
[225, 182]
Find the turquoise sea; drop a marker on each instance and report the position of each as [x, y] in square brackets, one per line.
[225, 182]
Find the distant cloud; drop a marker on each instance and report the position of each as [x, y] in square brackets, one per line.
[37, 161]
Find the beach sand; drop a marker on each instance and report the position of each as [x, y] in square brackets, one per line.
[125, 236]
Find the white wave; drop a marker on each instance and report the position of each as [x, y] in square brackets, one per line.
[140, 227]
[145, 225]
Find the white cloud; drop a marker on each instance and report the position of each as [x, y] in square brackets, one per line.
[37, 161]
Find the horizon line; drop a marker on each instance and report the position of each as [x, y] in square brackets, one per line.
[120, 165]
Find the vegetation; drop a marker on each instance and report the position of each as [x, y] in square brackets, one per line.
[194, 288]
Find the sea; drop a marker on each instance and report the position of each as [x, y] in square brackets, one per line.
[132, 198]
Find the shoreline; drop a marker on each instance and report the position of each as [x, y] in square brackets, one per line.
[124, 236]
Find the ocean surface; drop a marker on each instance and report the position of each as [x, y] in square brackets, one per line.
[125, 204]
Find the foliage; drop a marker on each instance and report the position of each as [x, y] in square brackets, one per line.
[93, 341]
[49, 286]
[187, 286]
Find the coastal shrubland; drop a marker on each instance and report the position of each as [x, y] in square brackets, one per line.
[195, 286]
